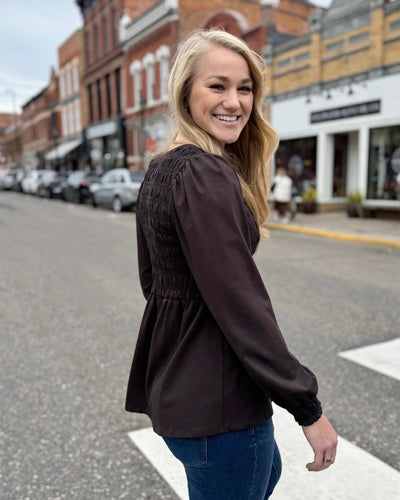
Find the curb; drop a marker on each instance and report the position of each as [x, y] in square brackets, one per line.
[334, 235]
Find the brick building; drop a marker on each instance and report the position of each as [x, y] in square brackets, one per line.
[150, 39]
[105, 134]
[40, 125]
[8, 129]
[69, 152]
[334, 102]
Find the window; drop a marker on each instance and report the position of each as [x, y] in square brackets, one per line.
[148, 63]
[64, 122]
[115, 25]
[90, 92]
[334, 45]
[395, 25]
[99, 108]
[62, 84]
[88, 41]
[283, 62]
[71, 125]
[360, 37]
[162, 57]
[302, 57]
[105, 35]
[136, 72]
[78, 124]
[69, 80]
[118, 89]
[108, 94]
[384, 163]
[96, 42]
[75, 75]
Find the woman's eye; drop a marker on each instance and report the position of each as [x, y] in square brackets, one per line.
[245, 89]
[217, 86]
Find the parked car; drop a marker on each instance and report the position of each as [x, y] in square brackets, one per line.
[9, 179]
[30, 182]
[118, 189]
[76, 187]
[19, 175]
[50, 184]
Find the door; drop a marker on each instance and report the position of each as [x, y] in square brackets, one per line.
[340, 165]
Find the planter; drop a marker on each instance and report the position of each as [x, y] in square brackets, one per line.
[353, 210]
[309, 207]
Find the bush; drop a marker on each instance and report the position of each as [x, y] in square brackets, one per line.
[309, 196]
[354, 197]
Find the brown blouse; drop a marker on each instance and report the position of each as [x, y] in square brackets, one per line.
[210, 356]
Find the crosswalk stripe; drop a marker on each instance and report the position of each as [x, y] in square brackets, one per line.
[383, 357]
[355, 475]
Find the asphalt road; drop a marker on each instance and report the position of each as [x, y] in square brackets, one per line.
[70, 307]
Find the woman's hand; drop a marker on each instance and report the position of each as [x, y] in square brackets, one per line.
[323, 440]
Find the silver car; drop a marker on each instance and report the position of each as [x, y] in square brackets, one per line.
[118, 189]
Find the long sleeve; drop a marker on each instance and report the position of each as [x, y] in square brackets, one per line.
[145, 270]
[212, 226]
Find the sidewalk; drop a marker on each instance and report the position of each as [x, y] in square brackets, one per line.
[339, 226]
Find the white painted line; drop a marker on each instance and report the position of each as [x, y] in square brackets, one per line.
[355, 475]
[383, 357]
[157, 452]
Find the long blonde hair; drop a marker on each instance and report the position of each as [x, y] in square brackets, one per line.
[251, 153]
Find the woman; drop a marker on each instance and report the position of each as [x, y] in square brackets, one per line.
[210, 357]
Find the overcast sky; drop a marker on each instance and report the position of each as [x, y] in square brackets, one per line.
[31, 32]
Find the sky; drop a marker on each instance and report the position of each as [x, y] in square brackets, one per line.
[31, 32]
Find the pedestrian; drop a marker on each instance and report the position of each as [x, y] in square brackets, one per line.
[282, 195]
[210, 356]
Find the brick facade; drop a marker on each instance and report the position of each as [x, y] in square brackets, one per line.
[148, 49]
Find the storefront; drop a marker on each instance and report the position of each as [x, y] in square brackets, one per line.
[106, 145]
[344, 140]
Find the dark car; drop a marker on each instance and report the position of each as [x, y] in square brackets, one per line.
[76, 187]
[50, 184]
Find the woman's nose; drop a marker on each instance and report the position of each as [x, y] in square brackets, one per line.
[231, 100]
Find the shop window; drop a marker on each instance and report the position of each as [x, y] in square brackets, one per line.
[384, 164]
[298, 157]
[340, 165]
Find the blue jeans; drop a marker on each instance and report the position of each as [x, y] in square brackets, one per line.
[239, 465]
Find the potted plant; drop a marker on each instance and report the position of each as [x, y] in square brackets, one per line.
[309, 199]
[353, 207]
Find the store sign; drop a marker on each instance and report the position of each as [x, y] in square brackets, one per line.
[101, 130]
[364, 108]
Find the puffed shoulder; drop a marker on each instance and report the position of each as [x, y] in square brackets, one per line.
[207, 179]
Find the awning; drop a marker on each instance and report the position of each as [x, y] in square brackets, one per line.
[62, 149]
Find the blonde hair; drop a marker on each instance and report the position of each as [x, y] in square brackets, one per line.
[251, 153]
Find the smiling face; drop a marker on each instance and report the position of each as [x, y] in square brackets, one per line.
[221, 98]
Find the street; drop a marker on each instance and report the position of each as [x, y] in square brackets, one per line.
[70, 308]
